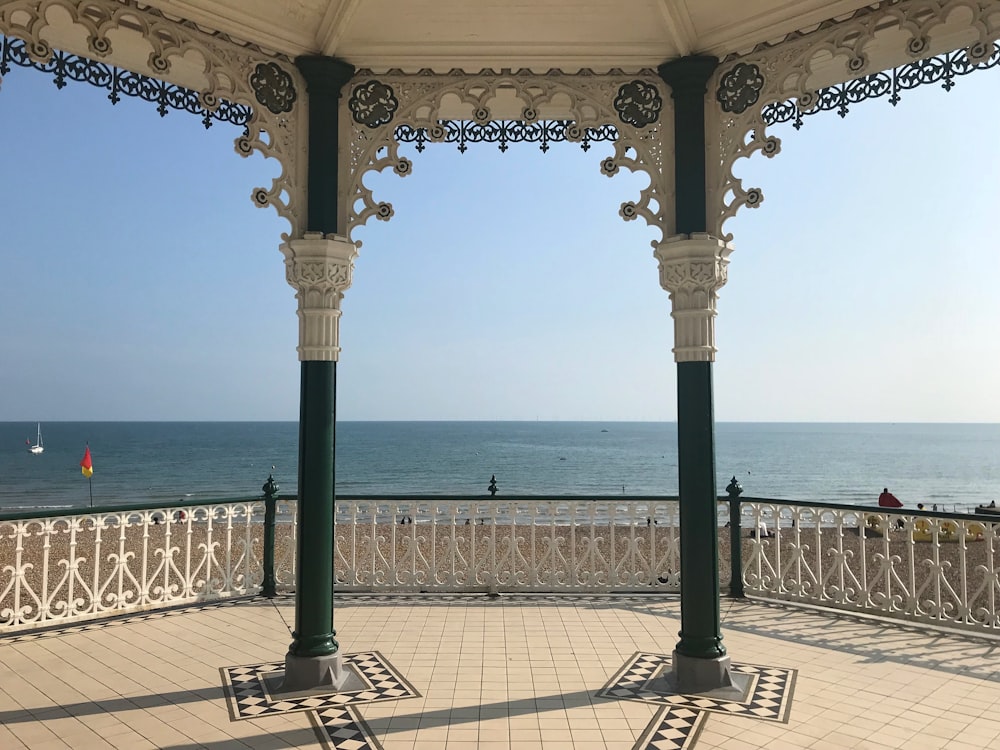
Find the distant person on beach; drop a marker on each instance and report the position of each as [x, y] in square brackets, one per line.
[888, 500]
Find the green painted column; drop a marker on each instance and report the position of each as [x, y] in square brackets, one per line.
[701, 624]
[701, 634]
[314, 635]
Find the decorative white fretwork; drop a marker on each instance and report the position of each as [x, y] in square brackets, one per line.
[638, 106]
[137, 38]
[921, 566]
[95, 564]
[871, 40]
[692, 270]
[319, 269]
[917, 566]
[102, 563]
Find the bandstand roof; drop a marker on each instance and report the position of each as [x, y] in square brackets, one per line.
[444, 35]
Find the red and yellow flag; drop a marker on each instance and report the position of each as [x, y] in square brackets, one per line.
[86, 465]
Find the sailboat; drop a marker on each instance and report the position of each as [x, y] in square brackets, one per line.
[38, 447]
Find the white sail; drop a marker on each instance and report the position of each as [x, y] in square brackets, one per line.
[38, 447]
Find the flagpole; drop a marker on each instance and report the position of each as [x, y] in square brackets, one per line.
[87, 466]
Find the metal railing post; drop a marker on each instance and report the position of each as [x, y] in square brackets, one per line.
[735, 540]
[268, 587]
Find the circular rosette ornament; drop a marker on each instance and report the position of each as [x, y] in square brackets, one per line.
[273, 87]
[403, 167]
[39, 51]
[99, 46]
[979, 52]
[739, 88]
[638, 104]
[159, 64]
[917, 46]
[373, 103]
[481, 115]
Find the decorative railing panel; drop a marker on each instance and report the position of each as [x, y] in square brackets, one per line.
[110, 562]
[60, 569]
[512, 545]
[915, 565]
[912, 565]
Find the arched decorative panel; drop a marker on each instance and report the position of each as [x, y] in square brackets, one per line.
[383, 111]
[805, 72]
[134, 51]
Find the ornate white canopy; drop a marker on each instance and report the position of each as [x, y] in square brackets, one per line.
[588, 65]
[443, 35]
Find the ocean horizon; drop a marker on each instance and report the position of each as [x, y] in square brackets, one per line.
[953, 465]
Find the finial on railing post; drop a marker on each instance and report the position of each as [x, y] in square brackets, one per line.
[734, 490]
[493, 486]
[268, 587]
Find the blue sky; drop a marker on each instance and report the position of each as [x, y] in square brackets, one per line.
[142, 284]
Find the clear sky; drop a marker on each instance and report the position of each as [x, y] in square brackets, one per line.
[140, 282]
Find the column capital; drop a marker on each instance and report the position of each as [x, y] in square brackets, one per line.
[692, 269]
[688, 76]
[320, 269]
[325, 76]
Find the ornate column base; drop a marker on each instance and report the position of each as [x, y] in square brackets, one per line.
[692, 674]
[313, 672]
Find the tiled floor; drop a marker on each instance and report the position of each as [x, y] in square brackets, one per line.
[522, 672]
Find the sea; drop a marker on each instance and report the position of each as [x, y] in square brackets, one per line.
[951, 466]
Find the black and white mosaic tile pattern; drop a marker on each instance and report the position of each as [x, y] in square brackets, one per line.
[769, 698]
[250, 698]
[672, 729]
[343, 729]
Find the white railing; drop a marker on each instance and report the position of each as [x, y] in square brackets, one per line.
[591, 545]
[915, 565]
[61, 569]
[918, 566]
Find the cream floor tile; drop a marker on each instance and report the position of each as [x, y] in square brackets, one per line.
[509, 673]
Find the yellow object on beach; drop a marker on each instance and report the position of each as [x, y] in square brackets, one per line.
[922, 530]
[975, 532]
[947, 531]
